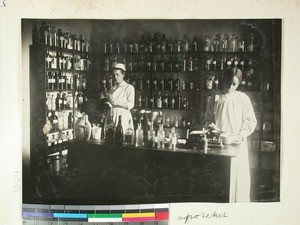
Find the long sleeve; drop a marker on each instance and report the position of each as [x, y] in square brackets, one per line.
[130, 95]
[209, 114]
[248, 118]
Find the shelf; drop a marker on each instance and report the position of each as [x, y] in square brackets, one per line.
[58, 49]
[200, 53]
[57, 132]
[61, 90]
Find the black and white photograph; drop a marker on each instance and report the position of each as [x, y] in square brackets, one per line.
[139, 111]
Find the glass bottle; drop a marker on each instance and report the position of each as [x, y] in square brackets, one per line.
[58, 102]
[250, 42]
[184, 63]
[242, 64]
[141, 86]
[194, 44]
[170, 45]
[172, 139]
[151, 136]
[162, 64]
[139, 136]
[168, 121]
[109, 128]
[208, 63]
[154, 82]
[177, 83]
[173, 102]
[151, 100]
[207, 43]
[154, 65]
[176, 122]
[161, 83]
[171, 82]
[129, 135]
[191, 64]
[170, 64]
[139, 101]
[233, 44]
[161, 137]
[235, 62]
[216, 43]
[166, 101]
[70, 120]
[163, 44]
[178, 100]
[159, 101]
[148, 64]
[224, 43]
[183, 122]
[241, 44]
[186, 43]
[142, 44]
[49, 81]
[214, 63]
[228, 62]
[119, 132]
[55, 122]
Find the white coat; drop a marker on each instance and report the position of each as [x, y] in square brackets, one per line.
[233, 114]
[124, 93]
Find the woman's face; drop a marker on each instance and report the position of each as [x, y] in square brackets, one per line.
[230, 85]
[119, 76]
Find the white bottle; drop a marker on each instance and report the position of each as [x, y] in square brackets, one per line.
[139, 136]
[161, 137]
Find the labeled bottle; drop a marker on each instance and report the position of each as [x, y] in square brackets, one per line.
[173, 102]
[176, 122]
[50, 84]
[166, 101]
[151, 136]
[241, 44]
[129, 135]
[119, 132]
[159, 101]
[161, 137]
[186, 43]
[216, 43]
[168, 121]
[162, 64]
[178, 100]
[139, 136]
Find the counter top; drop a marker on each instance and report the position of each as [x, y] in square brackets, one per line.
[227, 150]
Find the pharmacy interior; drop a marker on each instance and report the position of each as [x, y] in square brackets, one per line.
[74, 152]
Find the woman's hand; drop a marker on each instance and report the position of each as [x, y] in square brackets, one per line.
[237, 139]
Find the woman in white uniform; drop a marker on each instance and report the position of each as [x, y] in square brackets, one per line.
[121, 97]
[231, 112]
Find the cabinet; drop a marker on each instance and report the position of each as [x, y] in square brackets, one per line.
[57, 92]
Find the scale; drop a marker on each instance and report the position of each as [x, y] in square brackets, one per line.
[145, 214]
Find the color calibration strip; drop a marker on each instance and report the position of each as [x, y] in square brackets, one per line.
[110, 214]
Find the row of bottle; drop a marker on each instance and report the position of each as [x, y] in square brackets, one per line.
[64, 101]
[177, 64]
[60, 60]
[166, 101]
[65, 81]
[56, 141]
[48, 36]
[59, 121]
[163, 44]
[154, 83]
[116, 135]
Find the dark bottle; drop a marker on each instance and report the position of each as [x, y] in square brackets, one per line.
[119, 132]
[170, 45]
[109, 128]
[195, 44]
[58, 102]
[154, 82]
[141, 83]
[50, 84]
[151, 100]
[162, 64]
[60, 81]
[55, 122]
[70, 120]
[166, 101]
[129, 135]
[170, 64]
[235, 62]
[171, 82]
[139, 100]
[159, 101]
[148, 82]
[64, 81]
[132, 80]
[64, 101]
[228, 62]
[142, 44]
[214, 63]
[148, 64]
[154, 65]
[43, 33]
[141, 64]
[162, 83]
[177, 83]
[164, 43]
[177, 65]
[178, 100]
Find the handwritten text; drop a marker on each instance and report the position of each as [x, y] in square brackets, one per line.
[202, 216]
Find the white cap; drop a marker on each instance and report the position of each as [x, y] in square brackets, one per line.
[119, 66]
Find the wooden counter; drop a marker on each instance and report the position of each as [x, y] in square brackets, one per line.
[111, 174]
